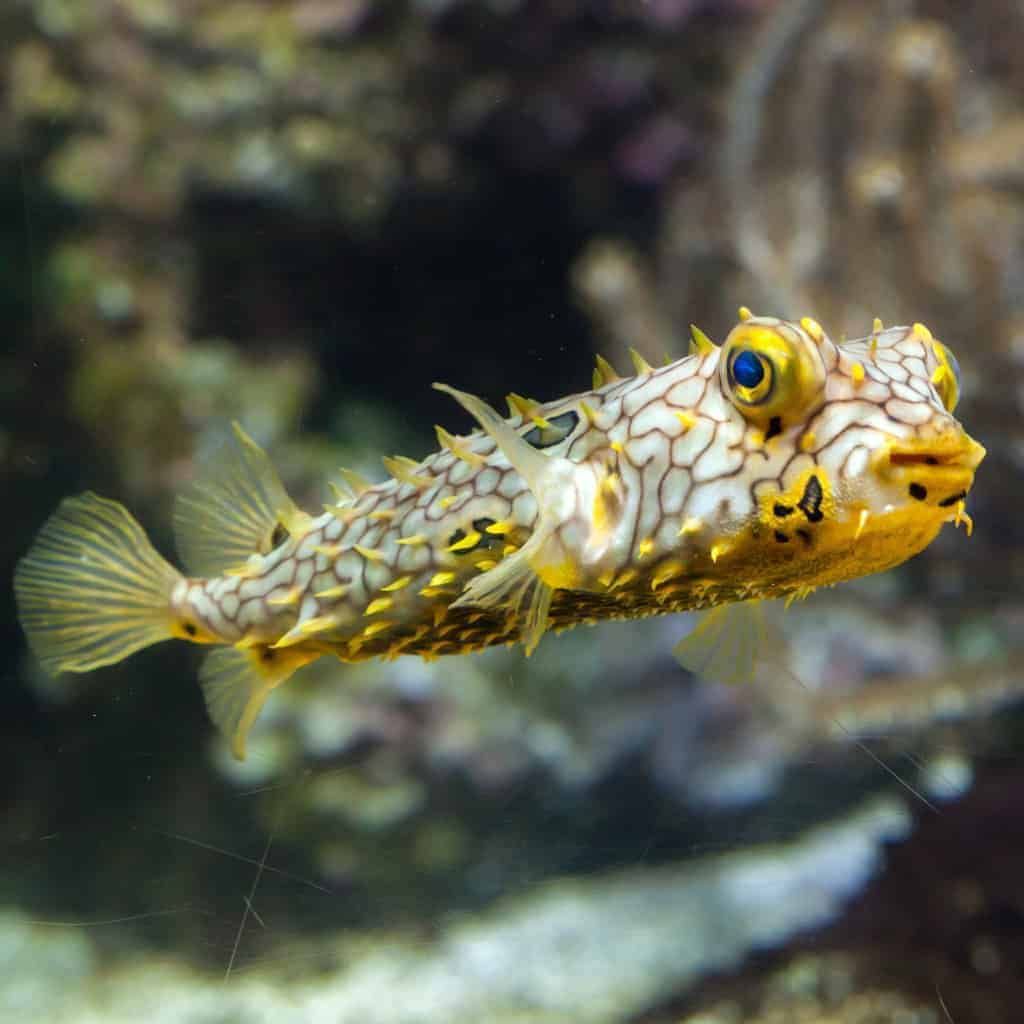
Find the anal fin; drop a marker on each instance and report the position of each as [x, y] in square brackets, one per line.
[236, 509]
[237, 681]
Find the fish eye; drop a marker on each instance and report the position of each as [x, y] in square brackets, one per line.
[946, 377]
[751, 376]
[770, 370]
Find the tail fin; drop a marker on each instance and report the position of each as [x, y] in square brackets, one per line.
[92, 590]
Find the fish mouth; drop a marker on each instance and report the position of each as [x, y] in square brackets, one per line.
[955, 451]
[937, 470]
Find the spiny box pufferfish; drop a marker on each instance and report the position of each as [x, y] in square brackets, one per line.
[774, 464]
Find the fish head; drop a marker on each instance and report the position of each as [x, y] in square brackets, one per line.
[853, 456]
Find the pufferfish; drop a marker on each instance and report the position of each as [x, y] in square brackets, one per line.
[776, 463]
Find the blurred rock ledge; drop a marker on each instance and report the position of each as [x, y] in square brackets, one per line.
[588, 951]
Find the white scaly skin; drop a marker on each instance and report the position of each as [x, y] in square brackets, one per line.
[665, 495]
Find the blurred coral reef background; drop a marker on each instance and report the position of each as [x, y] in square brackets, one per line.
[297, 214]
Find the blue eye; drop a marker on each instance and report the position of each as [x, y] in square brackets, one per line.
[747, 369]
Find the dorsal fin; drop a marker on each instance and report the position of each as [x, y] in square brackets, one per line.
[233, 510]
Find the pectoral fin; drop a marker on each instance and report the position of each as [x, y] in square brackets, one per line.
[514, 587]
[237, 508]
[522, 584]
[236, 683]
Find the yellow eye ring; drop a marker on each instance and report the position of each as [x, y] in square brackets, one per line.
[770, 370]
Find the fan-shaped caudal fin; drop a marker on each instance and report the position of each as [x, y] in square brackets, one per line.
[727, 644]
[522, 584]
[236, 683]
[237, 508]
[92, 589]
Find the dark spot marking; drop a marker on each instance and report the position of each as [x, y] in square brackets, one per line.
[486, 539]
[781, 510]
[190, 629]
[774, 428]
[805, 536]
[918, 491]
[558, 429]
[810, 501]
[931, 461]
[781, 537]
[267, 654]
[952, 499]
[278, 537]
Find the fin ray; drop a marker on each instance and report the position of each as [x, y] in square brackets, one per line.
[514, 586]
[92, 590]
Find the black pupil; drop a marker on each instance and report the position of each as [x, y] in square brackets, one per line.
[747, 370]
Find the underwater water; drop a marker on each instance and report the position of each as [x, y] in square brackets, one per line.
[297, 215]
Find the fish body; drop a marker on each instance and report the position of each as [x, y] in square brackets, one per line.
[776, 463]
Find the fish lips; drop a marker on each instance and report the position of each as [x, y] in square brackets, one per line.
[938, 470]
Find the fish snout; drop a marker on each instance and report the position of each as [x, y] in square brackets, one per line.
[937, 470]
